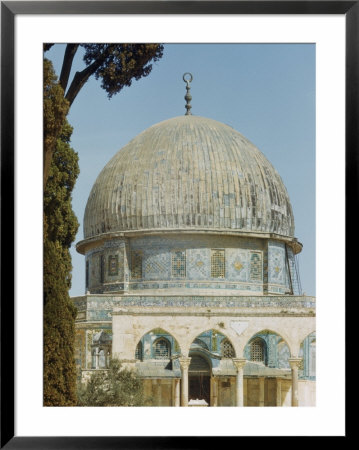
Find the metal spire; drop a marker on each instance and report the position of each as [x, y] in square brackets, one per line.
[188, 96]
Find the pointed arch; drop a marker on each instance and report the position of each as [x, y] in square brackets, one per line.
[269, 348]
[248, 336]
[213, 341]
[156, 343]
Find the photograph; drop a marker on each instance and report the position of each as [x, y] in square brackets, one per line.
[179, 224]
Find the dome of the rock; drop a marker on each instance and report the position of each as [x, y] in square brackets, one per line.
[189, 173]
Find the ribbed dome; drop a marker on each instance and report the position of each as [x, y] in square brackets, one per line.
[189, 172]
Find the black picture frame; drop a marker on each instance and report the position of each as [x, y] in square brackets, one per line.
[9, 10]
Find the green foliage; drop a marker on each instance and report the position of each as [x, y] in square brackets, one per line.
[60, 227]
[116, 386]
[55, 109]
[115, 64]
[120, 63]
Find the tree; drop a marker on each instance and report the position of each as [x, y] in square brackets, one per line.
[55, 109]
[115, 64]
[116, 386]
[60, 227]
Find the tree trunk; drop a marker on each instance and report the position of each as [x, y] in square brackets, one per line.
[70, 52]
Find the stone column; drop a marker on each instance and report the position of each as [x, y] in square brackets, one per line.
[261, 391]
[184, 363]
[177, 392]
[97, 357]
[294, 364]
[214, 391]
[279, 392]
[239, 364]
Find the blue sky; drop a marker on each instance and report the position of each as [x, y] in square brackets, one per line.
[264, 91]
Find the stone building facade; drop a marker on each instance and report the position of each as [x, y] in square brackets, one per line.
[191, 274]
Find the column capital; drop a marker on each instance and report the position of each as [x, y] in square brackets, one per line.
[184, 362]
[294, 362]
[239, 363]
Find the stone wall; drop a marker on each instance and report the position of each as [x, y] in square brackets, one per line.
[160, 391]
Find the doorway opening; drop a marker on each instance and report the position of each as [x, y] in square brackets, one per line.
[199, 379]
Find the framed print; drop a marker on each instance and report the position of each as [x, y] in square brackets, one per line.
[197, 265]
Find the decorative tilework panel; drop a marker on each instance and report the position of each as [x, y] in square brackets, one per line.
[198, 264]
[94, 270]
[237, 267]
[157, 265]
[293, 272]
[256, 271]
[136, 264]
[113, 265]
[218, 263]
[179, 264]
[276, 263]
[283, 355]
[100, 308]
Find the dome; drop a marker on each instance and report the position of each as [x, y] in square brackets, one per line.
[189, 173]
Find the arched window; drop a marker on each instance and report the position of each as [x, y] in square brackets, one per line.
[257, 350]
[227, 349]
[162, 349]
[138, 352]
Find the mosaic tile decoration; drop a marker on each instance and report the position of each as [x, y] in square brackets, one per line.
[256, 271]
[113, 265]
[198, 264]
[218, 263]
[293, 272]
[157, 265]
[237, 267]
[276, 262]
[136, 264]
[100, 308]
[179, 264]
[283, 355]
